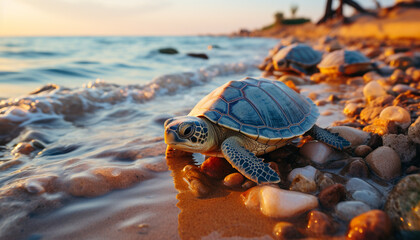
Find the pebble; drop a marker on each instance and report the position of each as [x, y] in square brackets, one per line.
[279, 203]
[368, 197]
[198, 55]
[302, 184]
[248, 184]
[399, 115]
[401, 88]
[372, 225]
[320, 224]
[414, 131]
[313, 96]
[403, 204]
[23, 148]
[308, 172]
[397, 76]
[384, 162]
[362, 150]
[355, 136]
[373, 90]
[216, 167]
[286, 230]
[371, 76]
[370, 112]
[295, 79]
[199, 189]
[352, 109]
[402, 145]
[332, 195]
[347, 210]
[357, 184]
[356, 168]
[233, 180]
[323, 181]
[317, 152]
[168, 51]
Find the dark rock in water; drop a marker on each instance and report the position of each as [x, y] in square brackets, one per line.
[384, 162]
[168, 51]
[320, 224]
[46, 88]
[286, 230]
[198, 55]
[330, 196]
[372, 225]
[356, 168]
[403, 206]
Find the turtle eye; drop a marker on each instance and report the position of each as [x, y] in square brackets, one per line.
[186, 130]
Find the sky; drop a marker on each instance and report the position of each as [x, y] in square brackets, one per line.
[147, 17]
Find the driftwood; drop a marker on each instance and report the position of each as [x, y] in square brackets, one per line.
[338, 13]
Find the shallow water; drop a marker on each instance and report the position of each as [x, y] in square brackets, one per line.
[84, 158]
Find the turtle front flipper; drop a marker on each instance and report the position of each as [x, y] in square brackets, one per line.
[332, 139]
[247, 163]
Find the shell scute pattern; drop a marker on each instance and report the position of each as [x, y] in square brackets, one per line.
[299, 53]
[341, 58]
[261, 109]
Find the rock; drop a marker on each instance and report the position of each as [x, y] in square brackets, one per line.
[349, 209]
[216, 167]
[356, 81]
[370, 198]
[198, 55]
[355, 136]
[370, 112]
[399, 115]
[302, 184]
[168, 51]
[23, 148]
[251, 198]
[382, 101]
[400, 88]
[402, 145]
[362, 150]
[233, 180]
[323, 181]
[313, 96]
[403, 204]
[414, 131]
[397, 76]
[372, 225]
[371, 76]
[198, 188]
[375, 141]
[316, 152]
[357, 184]
[198, 183]
[320, 224]
[309, 172]
[384, 162]
[279, 203]
[248, 184]
[352, 109]
[286, 230]
[373, 90]
[295, 79]
[356, 168]
[330, 196]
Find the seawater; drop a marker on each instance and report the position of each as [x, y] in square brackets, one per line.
[81, 126]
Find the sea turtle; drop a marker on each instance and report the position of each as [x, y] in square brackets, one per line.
[344, 62]
[244, 119]
[297, 57]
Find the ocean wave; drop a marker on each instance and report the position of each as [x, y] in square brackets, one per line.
[55, 102]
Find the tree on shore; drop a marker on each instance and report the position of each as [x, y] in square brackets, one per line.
[278, 18]
[293, 10]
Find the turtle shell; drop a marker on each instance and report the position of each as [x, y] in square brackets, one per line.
[344, 61]
[262, 109]
[299, 53]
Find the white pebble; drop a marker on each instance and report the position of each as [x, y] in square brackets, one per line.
[399, 115]
[309, 172]
[373, 90]
[347, 210]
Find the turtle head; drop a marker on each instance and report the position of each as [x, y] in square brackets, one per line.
[187, 133]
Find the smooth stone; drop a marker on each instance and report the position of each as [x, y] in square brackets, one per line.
[286, 230]
[370, 198]
[330, 196]
[347, 210]
[382, 101]
[362, 150]
[295, 79]
[403, 203]
[414, 131]
[308, 171]
[402, 145]
[373, 90]
[320, 224]
[355, 136]
[323, 181]
[399, 115]
[216, 167]
[356, 168]
[352, 109]
[400, 88]
[372, 225]
[168, 51]
[279, 203]
[316, 152]
[357, 184]
[384, 162]
[397, 76]
[371, 76]
[302, 184]
[251, 198]
[233, 180]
